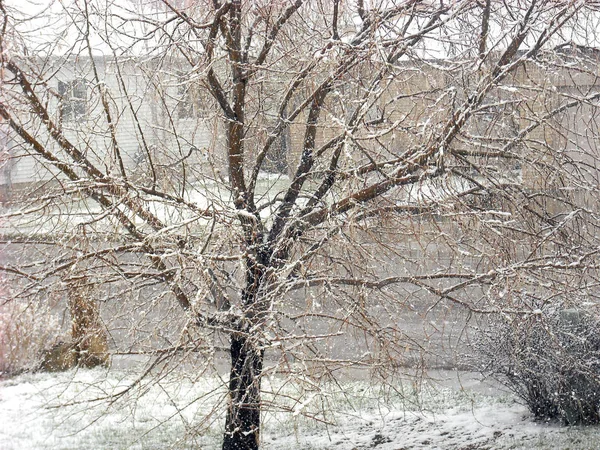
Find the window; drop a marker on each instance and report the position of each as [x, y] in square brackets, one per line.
[73, 103]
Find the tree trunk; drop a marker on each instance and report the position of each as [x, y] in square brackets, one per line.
[90, 341]
[242, 425]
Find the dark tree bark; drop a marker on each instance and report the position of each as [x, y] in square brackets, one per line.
[242, 425]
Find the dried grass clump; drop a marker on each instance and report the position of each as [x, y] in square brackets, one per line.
[25, 330]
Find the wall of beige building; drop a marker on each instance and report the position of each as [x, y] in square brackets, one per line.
[143, 99]
[418, 101]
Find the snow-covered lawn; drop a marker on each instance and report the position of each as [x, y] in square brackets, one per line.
[47, 411]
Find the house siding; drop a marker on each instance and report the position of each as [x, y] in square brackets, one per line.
[141, 121]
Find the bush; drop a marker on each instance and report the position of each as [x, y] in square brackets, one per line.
[25, 330]
[551, 360]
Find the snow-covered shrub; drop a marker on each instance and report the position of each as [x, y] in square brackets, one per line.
[25, 330]
[551, 360]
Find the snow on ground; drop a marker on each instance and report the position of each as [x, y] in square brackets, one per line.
[169, 414]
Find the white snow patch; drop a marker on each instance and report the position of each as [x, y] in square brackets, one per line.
[169, 415]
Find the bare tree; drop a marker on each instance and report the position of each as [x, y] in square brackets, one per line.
[428, 156]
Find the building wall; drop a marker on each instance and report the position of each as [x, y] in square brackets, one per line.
[143, 103]
[416, 100]
[419, 101]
